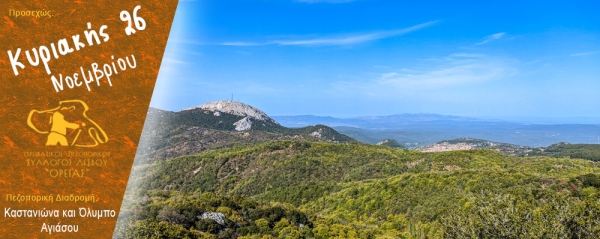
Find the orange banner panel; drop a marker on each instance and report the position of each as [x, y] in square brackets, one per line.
[77, 78]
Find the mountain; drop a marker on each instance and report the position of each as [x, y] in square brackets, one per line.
[220, 124]
[304, 189]
[416, 130]
[235, 108]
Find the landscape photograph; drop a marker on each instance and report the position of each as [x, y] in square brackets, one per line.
[372, 119]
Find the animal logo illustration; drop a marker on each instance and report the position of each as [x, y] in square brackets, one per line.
[64, 125]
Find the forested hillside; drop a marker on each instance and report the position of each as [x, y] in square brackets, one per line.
[302, 189]
[169, 134]
[582, 151]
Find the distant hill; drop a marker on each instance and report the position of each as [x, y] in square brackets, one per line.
[581, 151]
[390, 143]
[417, 130]
[559, 150]
[168, 134]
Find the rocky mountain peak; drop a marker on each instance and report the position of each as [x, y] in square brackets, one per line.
[235, 108]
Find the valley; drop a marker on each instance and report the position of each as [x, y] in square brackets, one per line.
[197, 176]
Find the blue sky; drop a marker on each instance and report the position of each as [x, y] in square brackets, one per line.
[346, 58]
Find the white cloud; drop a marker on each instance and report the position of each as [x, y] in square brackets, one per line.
[492, 37]
[326, 41]
[586, 53]
[464, 55]
[240, 44]
[454, 70]
[389, 75]
[356, 38]
[172, 66]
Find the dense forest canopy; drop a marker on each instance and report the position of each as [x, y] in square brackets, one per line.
[302, 189]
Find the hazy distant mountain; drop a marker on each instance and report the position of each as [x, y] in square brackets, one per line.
[369, 122]
[415, 130]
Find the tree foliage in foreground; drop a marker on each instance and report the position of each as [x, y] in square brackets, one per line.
[295, 189]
